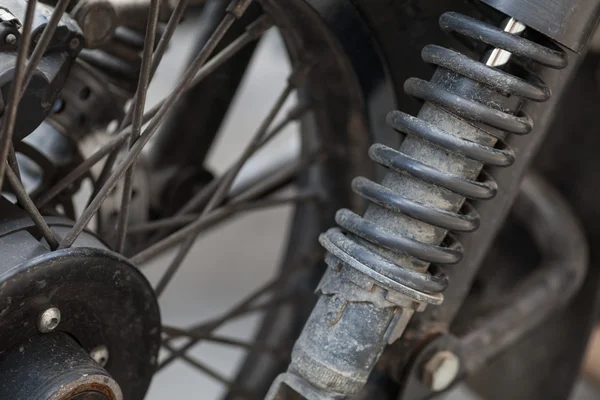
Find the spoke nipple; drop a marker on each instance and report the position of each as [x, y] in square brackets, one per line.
[10, 38]
[48, 320]
[100, 355]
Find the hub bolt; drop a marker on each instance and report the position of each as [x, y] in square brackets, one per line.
[100, 355]
[441, 370]
[48, 320]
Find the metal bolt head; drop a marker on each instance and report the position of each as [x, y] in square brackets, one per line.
[441, 370]
[48, 320]
[10, 38]
[100, 355]
[74, 43]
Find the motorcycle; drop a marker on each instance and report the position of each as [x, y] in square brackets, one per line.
[450, 143]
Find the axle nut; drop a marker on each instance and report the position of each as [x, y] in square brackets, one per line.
[441, 370]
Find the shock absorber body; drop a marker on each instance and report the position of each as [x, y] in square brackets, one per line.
[379, 263]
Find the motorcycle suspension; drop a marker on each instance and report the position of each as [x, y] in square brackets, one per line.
[379, 264]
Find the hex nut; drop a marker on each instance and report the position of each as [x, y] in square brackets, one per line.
[441, 370]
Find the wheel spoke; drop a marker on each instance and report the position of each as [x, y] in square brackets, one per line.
[200, 198]
[212, 325]
[139, 103]
[234, 12]
[281, 353]
[31, 209]
[261, 137]
[78, 172]
[231, 386]
[223, 188]
[221, 215]
[13, 163]
[224, 213]
[42, 44]
[165, 223]
[257, 141]
[253, 32]
[164, 41]
[207, 328]
[106, 171]
[208, 220]
[167, 35]
[271, 180]
[10, 114]
[245, 306]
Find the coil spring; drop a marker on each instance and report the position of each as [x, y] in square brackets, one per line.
[348, 248]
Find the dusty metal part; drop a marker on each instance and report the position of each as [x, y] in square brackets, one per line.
[102, 298]
[393, 247]
[43, 156]
[63, 371]
[418, 383]
[493, 214]
[48, 320]
[289, 386]
[441, 370]
[86, 106]
[343, 305]
[97, 19]
[140, 208]
[51, 71]
[100, 355]
[88, 102]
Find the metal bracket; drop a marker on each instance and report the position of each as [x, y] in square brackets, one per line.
[569, 22]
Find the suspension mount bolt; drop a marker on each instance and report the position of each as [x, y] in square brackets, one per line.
[48, 320]
[441, 370]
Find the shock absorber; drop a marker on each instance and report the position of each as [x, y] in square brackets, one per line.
[379, 271]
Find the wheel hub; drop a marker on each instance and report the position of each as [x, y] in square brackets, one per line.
[62, 371]
[103, 302]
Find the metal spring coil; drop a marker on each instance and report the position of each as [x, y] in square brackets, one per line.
[348, 249]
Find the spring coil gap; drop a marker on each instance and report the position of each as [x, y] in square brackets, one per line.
[423, 286]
